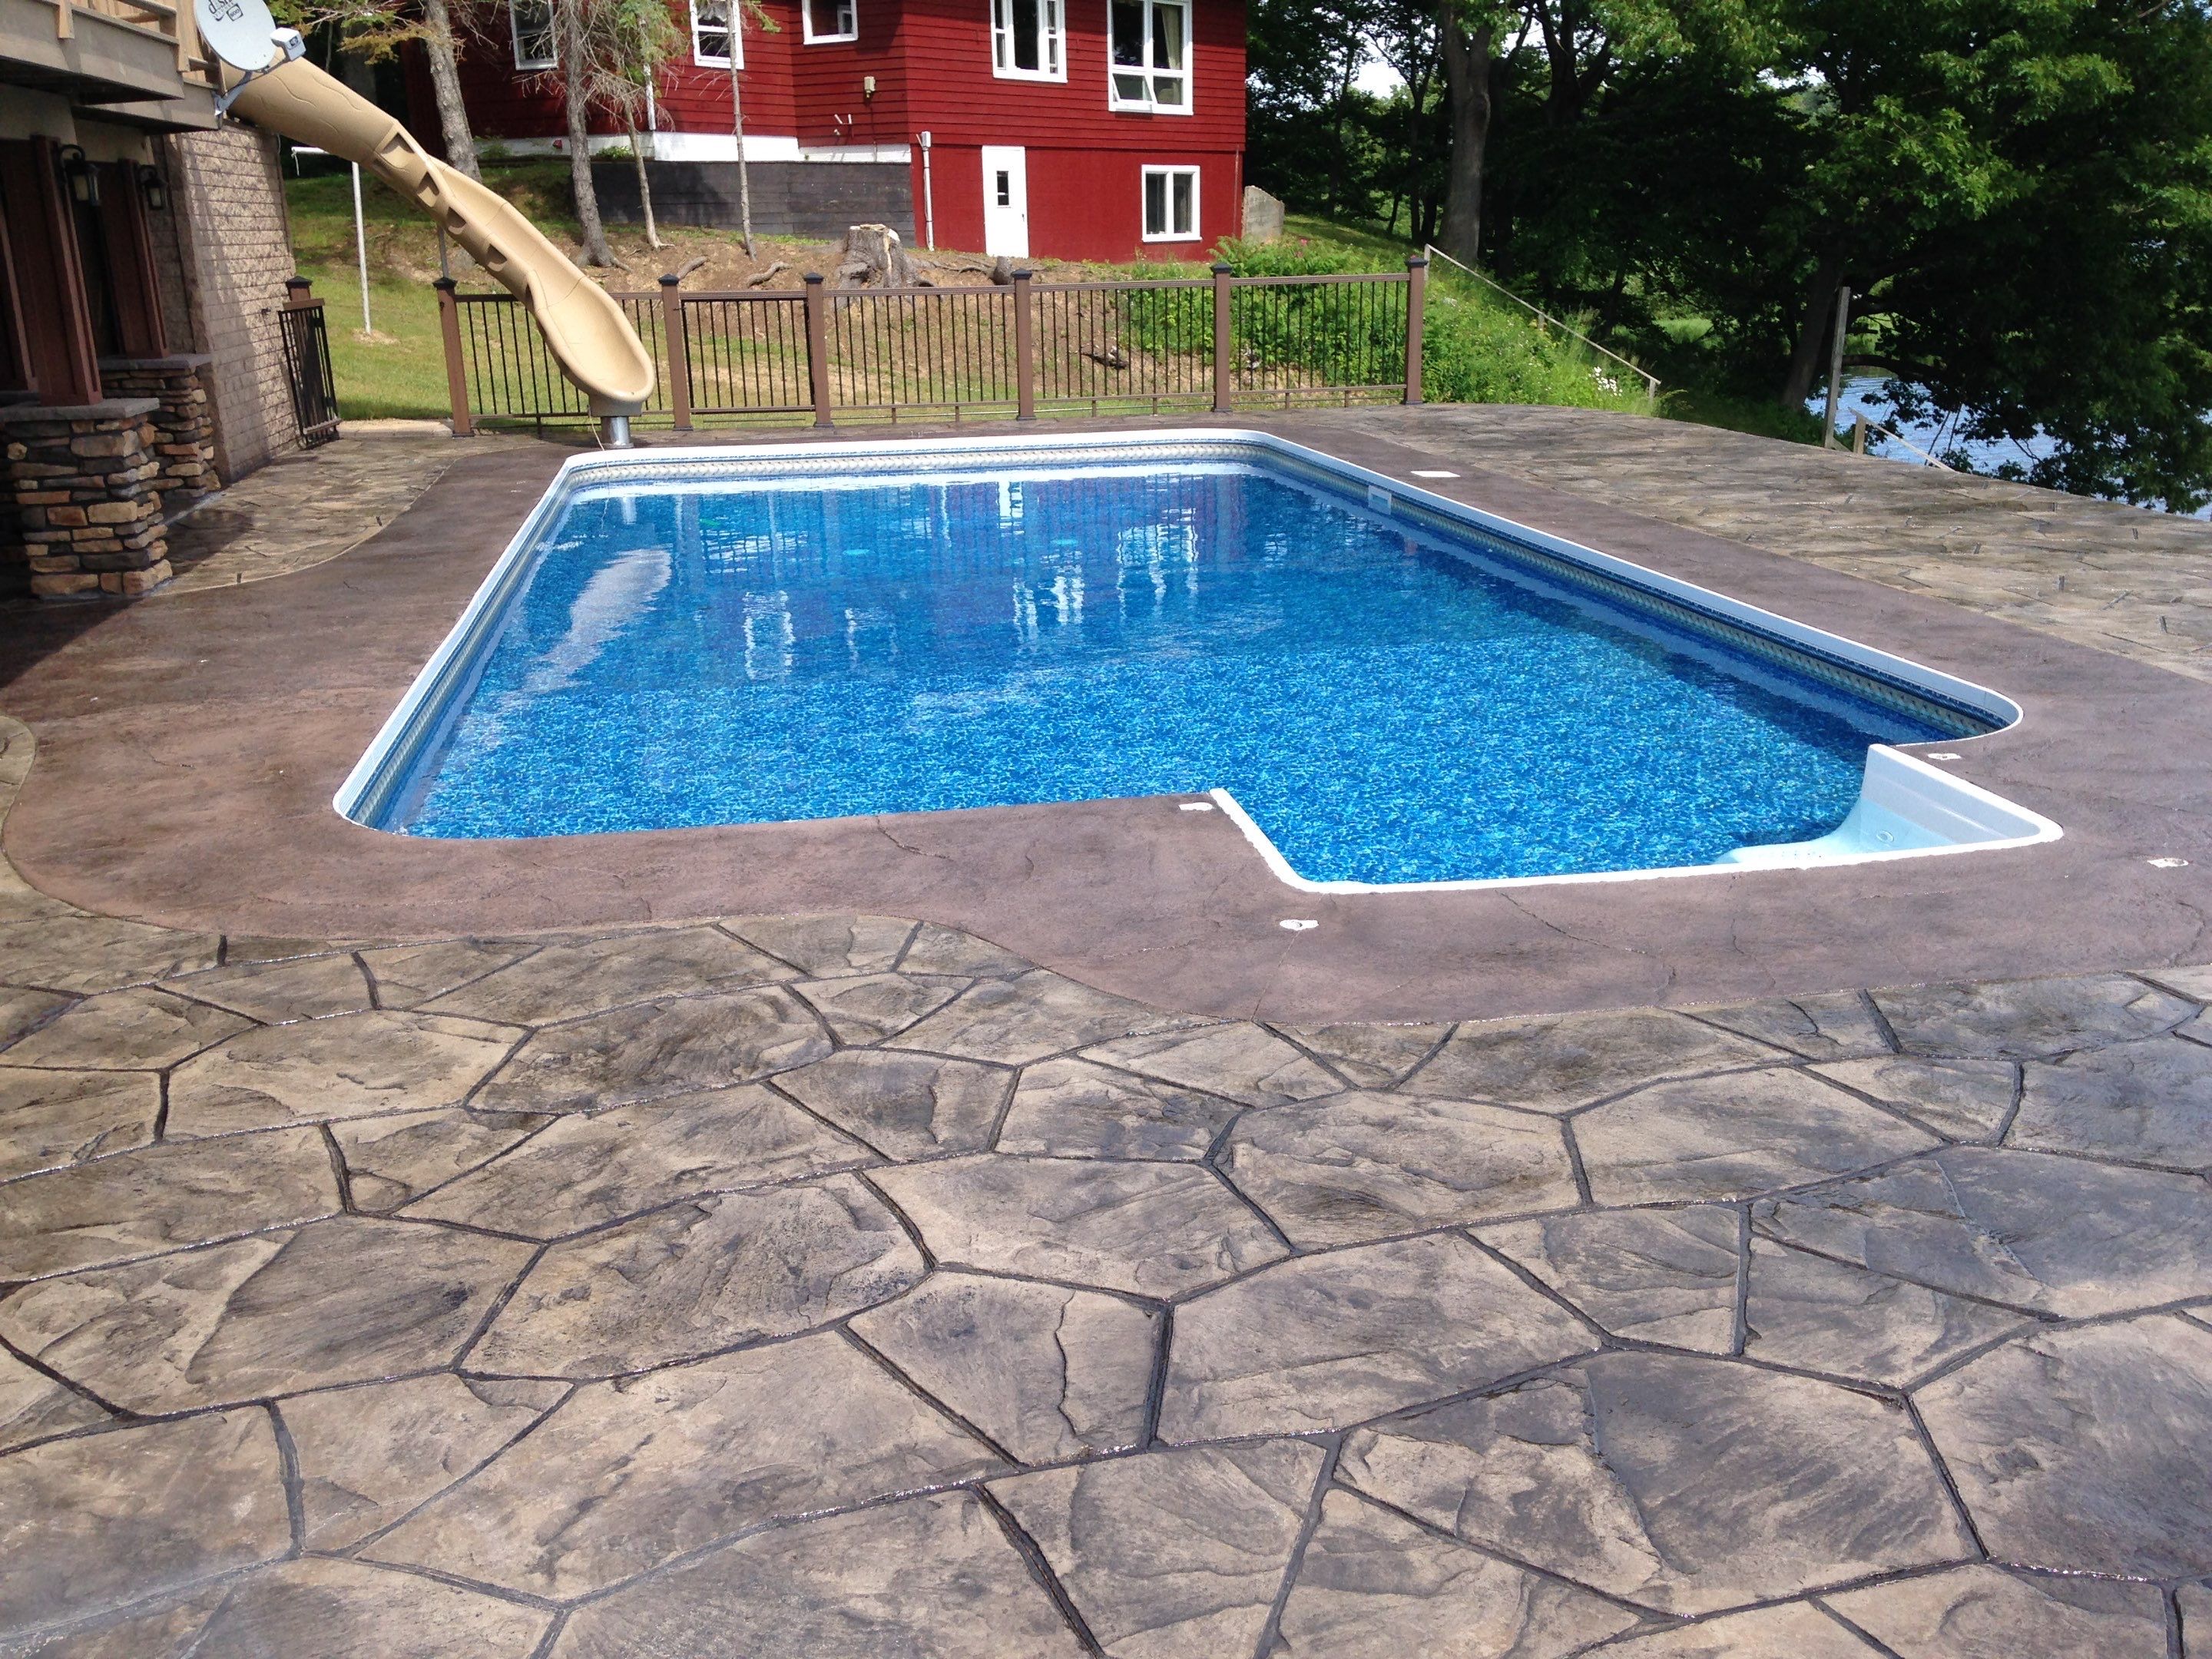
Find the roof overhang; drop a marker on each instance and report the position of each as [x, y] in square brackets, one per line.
[101, 61]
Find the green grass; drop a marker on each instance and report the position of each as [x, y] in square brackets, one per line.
[1478, 346]
[400, 372]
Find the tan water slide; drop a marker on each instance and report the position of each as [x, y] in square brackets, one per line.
[585, 328]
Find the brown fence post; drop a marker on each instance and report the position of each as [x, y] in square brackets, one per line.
[678, 351]
[1024, 347]
[1417, 298]
[818, 347]
[1225, 334]
[457, 377]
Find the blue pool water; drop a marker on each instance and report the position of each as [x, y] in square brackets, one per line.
[1389, 704]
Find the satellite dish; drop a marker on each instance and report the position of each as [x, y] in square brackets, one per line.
[240, 31]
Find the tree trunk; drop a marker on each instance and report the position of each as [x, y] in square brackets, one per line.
[446, 83]
[1417, 104]
[1812, 333]
[737, 130]
[576, 83]
[644, 184]
[1467, 85]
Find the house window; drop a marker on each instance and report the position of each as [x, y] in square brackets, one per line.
[1152, 55]
[710, 34]
[1170, 205]
[532, 23]
[830, 20]
[1025, 39]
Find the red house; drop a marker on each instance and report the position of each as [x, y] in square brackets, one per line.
[1071, 129]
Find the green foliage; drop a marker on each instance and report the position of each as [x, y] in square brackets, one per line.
[1476, 347]
[628, 44]
[1168, 321]
[1474, 352]
[2019, 193]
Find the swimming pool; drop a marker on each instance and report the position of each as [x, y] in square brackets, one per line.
[1382, 688]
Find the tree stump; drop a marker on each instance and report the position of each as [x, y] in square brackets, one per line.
[874, 258]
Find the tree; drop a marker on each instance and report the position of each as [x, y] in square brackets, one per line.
[1301, 62]
[2043, 259]
[727, 19]
[2019, 193]
[377, 28]
[441, 46]
[1464, 43]
[735, 12]
[1404, 37]
[575, 52]
[633, 41]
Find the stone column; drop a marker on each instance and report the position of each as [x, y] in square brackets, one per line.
[89, 515]
[183, 431]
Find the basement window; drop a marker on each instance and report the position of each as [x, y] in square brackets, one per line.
[830, 20]
[1150, 69]
[1170, 205]
[531, 23]
[1026, 41]
[710, 34]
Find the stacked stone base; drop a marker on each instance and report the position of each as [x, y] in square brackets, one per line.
[90, 514]
[184, 425]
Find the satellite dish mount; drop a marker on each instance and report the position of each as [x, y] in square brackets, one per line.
[243, 34]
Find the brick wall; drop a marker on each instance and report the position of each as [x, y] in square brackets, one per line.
[234, 251]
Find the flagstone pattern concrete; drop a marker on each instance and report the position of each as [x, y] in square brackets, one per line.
[846, 1287]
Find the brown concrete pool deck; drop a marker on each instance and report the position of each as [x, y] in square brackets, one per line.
[190, 748]
[846, 1286]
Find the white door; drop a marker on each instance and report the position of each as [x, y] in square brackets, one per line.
[1006, 201]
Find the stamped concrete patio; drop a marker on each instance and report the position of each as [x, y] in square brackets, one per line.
[846, 1286]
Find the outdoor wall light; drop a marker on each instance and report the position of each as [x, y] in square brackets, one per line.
[77, 173]
[152, 188]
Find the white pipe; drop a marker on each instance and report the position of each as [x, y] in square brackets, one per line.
[361, 251]
[928, 198]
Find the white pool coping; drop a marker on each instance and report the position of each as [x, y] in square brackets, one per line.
[1903, 797]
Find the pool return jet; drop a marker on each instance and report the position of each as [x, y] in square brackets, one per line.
[279, 91]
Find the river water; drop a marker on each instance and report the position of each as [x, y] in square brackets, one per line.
[1867, 394]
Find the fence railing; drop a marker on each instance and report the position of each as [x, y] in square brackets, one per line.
[894, 353]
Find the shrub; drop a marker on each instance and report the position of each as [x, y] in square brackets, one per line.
[1477, 347]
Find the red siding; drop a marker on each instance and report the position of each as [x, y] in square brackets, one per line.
[694, 98]
[505, 102]
[1083, 204]
[931, 63]
[828, 81]
[956, 96]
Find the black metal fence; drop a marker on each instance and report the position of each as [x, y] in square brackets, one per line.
[306, 341]
[889, 354]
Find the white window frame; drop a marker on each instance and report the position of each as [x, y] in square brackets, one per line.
[851, 30]
[1197, 204]
[514, 33]
[1052, 40]
[1149, 70]
[729, 32]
